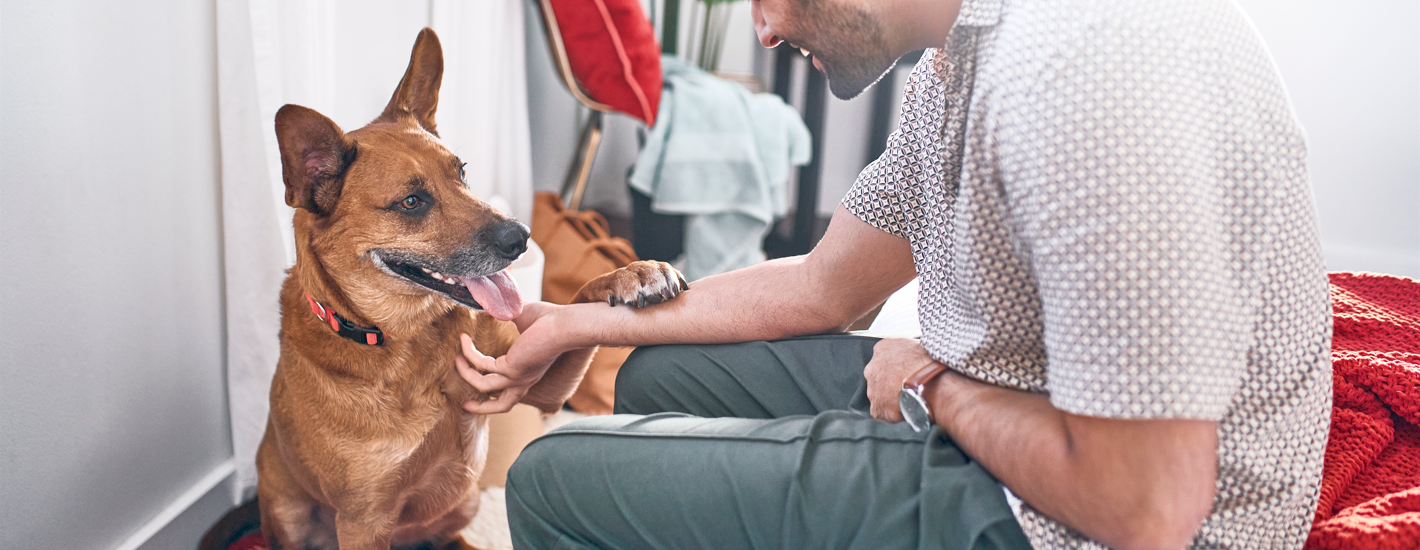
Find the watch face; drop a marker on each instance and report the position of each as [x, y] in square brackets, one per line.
[914, 409]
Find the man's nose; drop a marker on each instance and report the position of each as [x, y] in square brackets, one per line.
[766, 36]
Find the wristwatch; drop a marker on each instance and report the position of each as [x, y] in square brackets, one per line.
[910, 401]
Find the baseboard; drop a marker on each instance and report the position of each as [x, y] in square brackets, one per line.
[180, 525]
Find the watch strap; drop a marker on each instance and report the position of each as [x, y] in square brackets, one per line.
[922, 377]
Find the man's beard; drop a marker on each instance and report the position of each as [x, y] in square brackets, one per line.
[848, 83]
[850, 45]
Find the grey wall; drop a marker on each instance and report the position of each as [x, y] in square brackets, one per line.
[112, 399]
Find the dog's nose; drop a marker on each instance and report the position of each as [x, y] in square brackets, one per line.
[510, 239]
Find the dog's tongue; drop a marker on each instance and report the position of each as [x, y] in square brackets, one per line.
[497, 293]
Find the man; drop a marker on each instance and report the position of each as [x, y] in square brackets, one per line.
[1106, 202]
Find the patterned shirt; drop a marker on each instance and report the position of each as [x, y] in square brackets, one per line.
[1108, 202]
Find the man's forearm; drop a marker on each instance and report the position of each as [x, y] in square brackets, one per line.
[761, 302]
[1125, 483]
[854, 268]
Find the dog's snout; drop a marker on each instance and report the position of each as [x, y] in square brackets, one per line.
[510, 239]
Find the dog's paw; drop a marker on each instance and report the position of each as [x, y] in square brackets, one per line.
[636, 285]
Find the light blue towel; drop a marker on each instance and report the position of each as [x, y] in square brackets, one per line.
[722, 156]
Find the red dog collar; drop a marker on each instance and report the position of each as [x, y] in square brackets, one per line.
[370, 336]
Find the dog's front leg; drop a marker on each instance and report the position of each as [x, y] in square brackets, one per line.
[637, 285]
[561, 379]
[355, 531]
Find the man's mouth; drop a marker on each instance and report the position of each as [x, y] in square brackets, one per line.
[497, 292]
[815, 61]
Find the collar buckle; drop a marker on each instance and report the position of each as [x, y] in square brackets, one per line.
[371, 336]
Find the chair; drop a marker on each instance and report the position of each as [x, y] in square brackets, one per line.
[626, 36]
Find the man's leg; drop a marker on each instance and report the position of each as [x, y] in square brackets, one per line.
[835, 480]
[806, 375]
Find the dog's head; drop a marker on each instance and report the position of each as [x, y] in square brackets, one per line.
[384, 212]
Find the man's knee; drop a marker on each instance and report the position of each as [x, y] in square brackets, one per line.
[530, 515]
[549, 465]
[557, 475]
[537, 493]
[522, 475]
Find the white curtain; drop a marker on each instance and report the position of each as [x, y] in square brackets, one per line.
[344, 59]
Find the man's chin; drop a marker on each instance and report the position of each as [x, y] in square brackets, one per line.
[849, 86]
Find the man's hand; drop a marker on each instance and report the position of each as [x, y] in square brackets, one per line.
[507, 379]
[894, 359]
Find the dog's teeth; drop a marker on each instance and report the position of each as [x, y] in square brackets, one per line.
[450, 280]
[804, 51]
[436, 275]
[426, 270]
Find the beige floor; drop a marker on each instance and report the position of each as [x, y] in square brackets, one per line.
[489, 529]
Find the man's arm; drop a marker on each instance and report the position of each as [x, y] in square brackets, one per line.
[1124, 483]
[854, 268]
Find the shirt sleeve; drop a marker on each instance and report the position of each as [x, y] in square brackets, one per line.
[1114, 163]
[887, 194]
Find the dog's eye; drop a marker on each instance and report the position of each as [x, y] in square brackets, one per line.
[416, 204]
[461, 171]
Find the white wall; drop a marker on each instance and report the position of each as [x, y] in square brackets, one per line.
[114, 426]
[554, 119]
[1353, 71]
[112, 398]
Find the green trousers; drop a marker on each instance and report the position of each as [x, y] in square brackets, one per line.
[754, 445]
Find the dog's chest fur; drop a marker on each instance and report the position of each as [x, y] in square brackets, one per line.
[379, 412]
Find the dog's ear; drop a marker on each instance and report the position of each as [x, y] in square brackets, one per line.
[418, 92]
[314, 157]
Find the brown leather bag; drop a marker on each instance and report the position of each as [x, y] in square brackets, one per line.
[579, 247]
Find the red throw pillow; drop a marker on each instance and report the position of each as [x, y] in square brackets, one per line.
[613, 53]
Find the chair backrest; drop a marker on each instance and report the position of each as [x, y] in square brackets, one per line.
[559, 57]
[606, 54]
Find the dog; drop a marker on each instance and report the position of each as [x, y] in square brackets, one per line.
[367, 445]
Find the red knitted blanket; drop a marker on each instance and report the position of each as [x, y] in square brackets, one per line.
[1370, 486]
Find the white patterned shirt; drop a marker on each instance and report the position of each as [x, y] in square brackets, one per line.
[1108, 202]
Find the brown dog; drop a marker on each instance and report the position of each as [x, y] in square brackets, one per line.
[367, 444]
